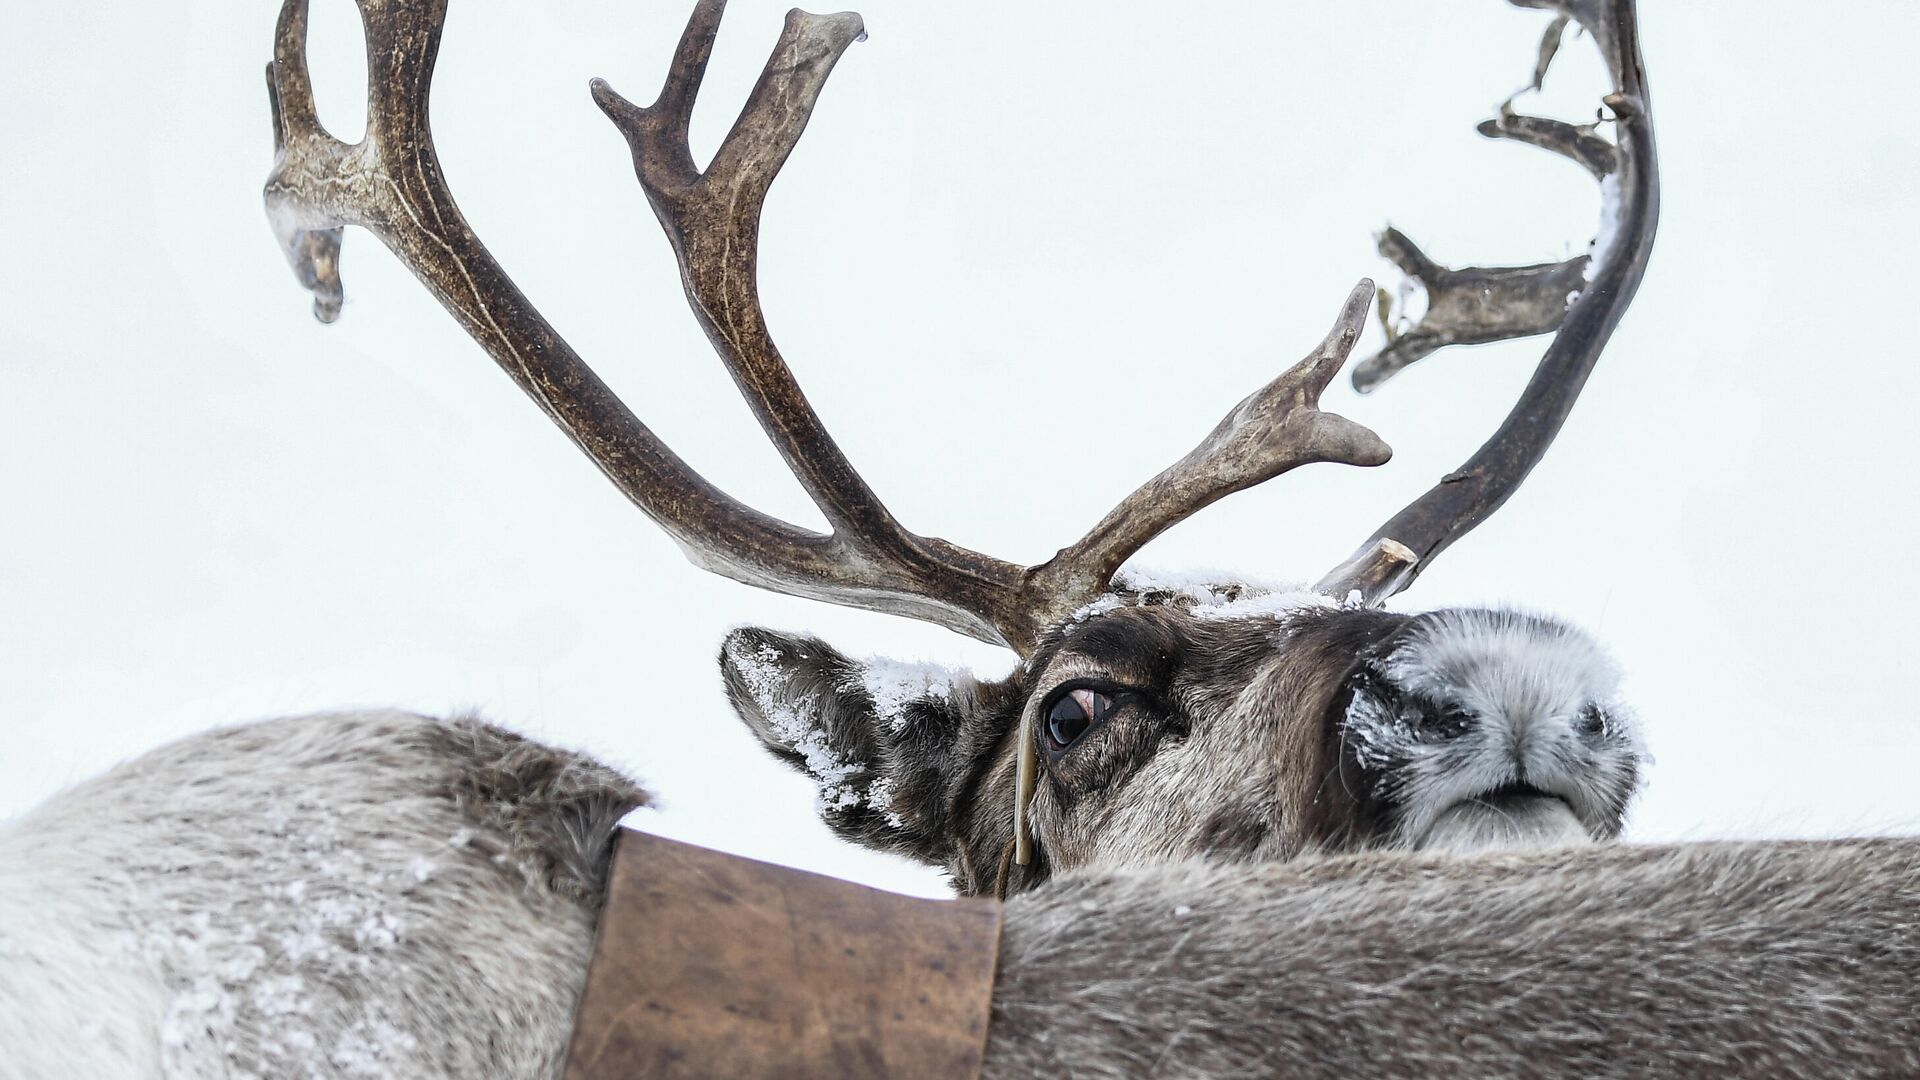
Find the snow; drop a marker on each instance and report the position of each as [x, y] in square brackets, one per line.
[1376, 733]
[1609, 229]
[796, 724]
[326, 911]
[894, 684]
[364, 1048]
[1206, 594]
[841, 783]
[880, 795]
[1273, 605]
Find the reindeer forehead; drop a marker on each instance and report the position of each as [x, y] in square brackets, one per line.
[1502, 658]
[1155, 644]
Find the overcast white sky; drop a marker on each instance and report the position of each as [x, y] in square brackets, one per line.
[1024, 257]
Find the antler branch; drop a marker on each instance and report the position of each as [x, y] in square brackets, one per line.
[1275, 429]
[713, 221]
[1583, 298]
[391, 184]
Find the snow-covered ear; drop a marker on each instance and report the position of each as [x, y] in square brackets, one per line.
[890, 746]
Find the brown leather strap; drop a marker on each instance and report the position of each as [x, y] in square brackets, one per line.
[713, 965]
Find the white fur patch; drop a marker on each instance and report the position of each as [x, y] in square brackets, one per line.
[1527, 682]
[1474, 826]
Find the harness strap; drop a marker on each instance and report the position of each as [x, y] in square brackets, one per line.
[710, 964]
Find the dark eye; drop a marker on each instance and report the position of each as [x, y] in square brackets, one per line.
[1449, 723]
[1591, 722]
[1073, 714]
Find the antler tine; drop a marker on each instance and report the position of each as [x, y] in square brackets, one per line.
[1277, 428]
[309, 240]
[713, 222]
[391, 184]
[1472, 305]
[1582, 298]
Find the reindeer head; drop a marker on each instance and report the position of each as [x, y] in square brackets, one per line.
[1222, 722]
[1141, 723]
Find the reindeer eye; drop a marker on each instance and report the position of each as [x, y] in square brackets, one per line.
[1449, 723]
[1075, 713]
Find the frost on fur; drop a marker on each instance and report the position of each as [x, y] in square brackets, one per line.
[1476, 701]
[323, 913]
[837, 718]
[796, 722]
[1207, 594]
[347, 895]
[894, 685]
[882, 741]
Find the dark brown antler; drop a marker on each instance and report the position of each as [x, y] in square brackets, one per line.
[391, 184]
[1277, 428]
[1583, 298]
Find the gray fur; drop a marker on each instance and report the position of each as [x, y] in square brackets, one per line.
[1773, 960]
[355, 894]
[381, 894]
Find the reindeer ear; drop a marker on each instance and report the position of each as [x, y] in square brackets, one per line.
[890, 746]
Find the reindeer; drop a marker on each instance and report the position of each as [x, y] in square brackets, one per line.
[380, 893]
[1142, 723]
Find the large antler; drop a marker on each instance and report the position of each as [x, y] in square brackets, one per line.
[1583, 298]
[390, 183]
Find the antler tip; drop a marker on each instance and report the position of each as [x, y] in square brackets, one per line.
[1623, 105]
[847, 23]
[610, 100]
[1377, 454]
[1358, 444]
[1353, 313]
[1321, 365]
[1368, 374]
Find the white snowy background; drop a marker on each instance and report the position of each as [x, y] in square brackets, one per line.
[1024, 257]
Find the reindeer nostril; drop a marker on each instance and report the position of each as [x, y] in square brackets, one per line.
[1590, 723]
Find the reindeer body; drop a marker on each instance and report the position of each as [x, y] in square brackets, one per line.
[381, 894]
[1774, 960]
[353, 894]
